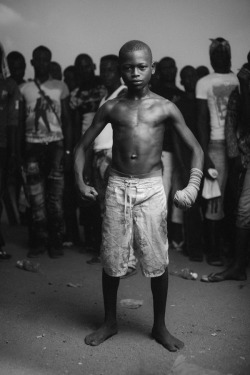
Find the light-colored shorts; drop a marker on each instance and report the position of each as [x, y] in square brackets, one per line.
[135, 218]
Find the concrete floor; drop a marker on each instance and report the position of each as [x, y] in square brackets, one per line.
[43, 321]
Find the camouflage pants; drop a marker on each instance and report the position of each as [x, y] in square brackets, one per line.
[44, 191]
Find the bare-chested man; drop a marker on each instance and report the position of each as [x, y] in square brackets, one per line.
[135, 199]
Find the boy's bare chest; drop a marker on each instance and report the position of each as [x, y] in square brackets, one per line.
[133, 115]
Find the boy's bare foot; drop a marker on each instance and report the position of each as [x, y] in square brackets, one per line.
[164, 338]
[102, 334]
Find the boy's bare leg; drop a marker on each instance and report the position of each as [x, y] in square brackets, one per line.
[159, 287]
[109, 328]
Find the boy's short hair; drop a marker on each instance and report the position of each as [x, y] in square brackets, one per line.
[133, 45]
[113, 58]
[41, 49]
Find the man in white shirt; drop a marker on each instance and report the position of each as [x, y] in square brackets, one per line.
[212, 94]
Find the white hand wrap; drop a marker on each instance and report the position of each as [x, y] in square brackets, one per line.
[185, 198]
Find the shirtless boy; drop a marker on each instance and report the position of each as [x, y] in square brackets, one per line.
[135, 199]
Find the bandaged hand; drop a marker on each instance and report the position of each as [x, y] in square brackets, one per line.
[185, 198]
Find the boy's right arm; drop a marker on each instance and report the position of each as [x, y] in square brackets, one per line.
[100, 120]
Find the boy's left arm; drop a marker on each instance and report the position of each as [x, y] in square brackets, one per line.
[185, 198]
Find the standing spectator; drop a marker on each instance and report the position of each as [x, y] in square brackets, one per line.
[71, 235]
[202, 71]
[102, 146]
[69, 77]
[237, 130]
[166, 87]
[193, 226]
[47, 146]
[212, 93]
[84, 101]
[9, 102]
[55, 70]
[17, 66]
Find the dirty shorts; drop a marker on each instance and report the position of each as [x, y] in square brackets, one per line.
[135, 218]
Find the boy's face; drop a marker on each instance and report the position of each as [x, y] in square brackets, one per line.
[109, 73]
[41, 62]
[136, 69]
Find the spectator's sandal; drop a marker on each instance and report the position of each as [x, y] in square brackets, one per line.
[223, 276]
[4, 255]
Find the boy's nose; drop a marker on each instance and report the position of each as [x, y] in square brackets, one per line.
[135, 72]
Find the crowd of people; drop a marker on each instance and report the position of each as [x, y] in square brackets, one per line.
[43, 118]
[140, 164]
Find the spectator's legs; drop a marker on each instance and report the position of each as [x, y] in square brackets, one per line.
[54, 198]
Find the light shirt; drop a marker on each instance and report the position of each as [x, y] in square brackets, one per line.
[216, 89]
[43, 124]
[105, 139]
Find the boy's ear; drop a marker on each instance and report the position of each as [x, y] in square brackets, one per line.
[153, 67]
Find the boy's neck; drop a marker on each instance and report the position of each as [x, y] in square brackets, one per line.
[138, 94]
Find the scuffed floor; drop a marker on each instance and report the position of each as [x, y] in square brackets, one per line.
[45, 316]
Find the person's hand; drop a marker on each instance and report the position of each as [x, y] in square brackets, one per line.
[208, 166]
[87, 192]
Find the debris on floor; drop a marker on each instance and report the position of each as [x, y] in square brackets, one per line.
[71, 285]
[131, 303]
[185, 273]
[27, 265]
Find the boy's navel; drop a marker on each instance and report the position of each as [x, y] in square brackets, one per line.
[133, 156]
